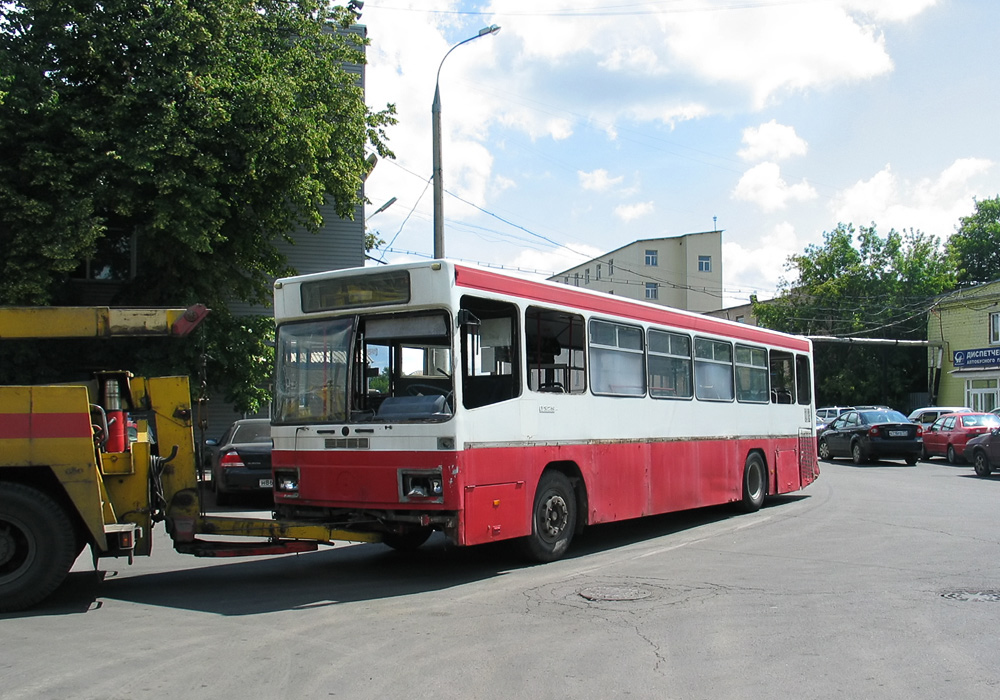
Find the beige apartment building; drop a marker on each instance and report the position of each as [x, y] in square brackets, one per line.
[684, 272]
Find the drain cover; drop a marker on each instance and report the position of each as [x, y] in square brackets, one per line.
[608, 593]
[975, 596]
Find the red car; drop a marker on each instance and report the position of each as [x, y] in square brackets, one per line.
[947, 436]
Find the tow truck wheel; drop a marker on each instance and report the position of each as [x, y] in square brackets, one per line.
[37, 546]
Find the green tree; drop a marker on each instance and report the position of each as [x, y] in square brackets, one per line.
[192, 135]
[857, 284]
[975, 246]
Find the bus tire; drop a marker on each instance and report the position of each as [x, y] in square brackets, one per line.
[406, 541]
[38, 545]
[553, 518]
[754, 482]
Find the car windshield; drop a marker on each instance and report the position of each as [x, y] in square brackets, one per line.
[883, 417]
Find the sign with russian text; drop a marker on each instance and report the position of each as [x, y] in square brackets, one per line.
[979, 357]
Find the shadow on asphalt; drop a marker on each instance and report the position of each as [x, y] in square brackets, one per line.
[345, 573]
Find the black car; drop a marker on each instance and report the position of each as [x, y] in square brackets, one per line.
[241, 460]
[984, 452]
[874, 434]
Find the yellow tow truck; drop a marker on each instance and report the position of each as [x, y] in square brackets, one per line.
[71, 476]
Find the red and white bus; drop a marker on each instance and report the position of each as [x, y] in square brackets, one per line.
[438, 396]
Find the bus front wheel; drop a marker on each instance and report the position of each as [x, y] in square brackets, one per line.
[553, 518]
[754, 483]
[408, 540]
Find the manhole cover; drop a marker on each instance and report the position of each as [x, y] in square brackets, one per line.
[609, 593]
[975, 596]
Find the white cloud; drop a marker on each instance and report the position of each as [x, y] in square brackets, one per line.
[890, 10]
[776, 48]
[932, 205]
[763, 185]
[772, 141]
[758, 269]
[630, 212]
[598, 180]
[547, 263]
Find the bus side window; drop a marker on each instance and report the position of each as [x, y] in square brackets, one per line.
[803, 379]
[490, 357]
[782, 377]
[555, 351]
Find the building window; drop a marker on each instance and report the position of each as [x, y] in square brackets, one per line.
[576, 279]
[652, 290]
[611, 267]
[114, 260]
[586, 276]
[994, 329]
[704, 263]
[651, 258]
[566, 279]
[598, 271]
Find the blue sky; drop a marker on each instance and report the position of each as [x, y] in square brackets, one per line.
[586, 124]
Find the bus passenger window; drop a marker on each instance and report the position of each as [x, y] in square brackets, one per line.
[782, 377]
[490, 355]
[555, 357]
[803, 379]
[669, 365]
[617, 366]
[713, 370]
[751, 374]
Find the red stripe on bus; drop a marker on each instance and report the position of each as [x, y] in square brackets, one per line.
[44, 425]
[486, 281]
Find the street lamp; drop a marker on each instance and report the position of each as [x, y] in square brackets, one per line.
[436, 138]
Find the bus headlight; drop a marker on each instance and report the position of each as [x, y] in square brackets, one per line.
[421, 485]
[286, 482]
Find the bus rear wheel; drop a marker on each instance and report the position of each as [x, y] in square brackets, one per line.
[754, 483]
[553, 518]
[38, 545]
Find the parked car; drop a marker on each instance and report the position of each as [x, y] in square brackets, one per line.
[241, 460]
[866, 435]
[827, 413]
[948, 435]
[984, 452]
[927, 415]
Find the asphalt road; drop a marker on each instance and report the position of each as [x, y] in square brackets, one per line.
[880, 581]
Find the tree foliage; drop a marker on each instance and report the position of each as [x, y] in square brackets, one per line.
[191, 135]
[857, 284]
[975, 246]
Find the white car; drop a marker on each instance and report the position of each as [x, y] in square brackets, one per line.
[927, 415]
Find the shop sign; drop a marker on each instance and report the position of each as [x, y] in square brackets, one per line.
[979, 357]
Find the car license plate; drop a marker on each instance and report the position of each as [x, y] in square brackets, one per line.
[897, 433]
[267, 483]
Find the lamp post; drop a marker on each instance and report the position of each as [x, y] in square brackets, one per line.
[436, 138]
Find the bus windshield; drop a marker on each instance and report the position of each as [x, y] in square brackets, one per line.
[312, 370]
[356, 369]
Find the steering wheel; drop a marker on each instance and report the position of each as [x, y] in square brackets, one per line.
[552, 387]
